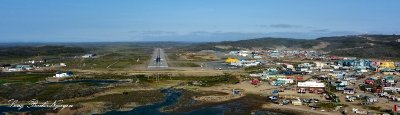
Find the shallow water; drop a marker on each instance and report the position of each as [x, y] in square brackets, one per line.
[14, 109]
[172, 97]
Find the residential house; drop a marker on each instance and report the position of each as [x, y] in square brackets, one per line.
[257, 57]
[23, 67]
[271, 73]
[255, 81]
[372, 99]
[245, 63]
[387, 64]
[362, 64]
[288, 66]
[281, 81]
[391, 89]
[63, 65]
[266, 77]
[387, 71]
[278, 83]
[349, 91]
[326, 68]
[350, 98]
[89, 55]
[320, 64]
[275, 54]
[231, 60]
[346, 62]
[305, 65]
[340, 76]
[311, 85]
[341, 85]
[389, 79]
[239, 53]
[297, 102]
[369, 81]
[66, 74]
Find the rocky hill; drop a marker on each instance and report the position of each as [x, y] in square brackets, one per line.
[367, 46]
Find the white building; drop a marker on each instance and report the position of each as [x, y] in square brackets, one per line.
[392, 89]
[257, 57]
[244, 53]
[310, 84]
[286, 80]
[63, 65]
[68, 74]
[88, 55]
[288, 66]
[246, 63]
[240, 53]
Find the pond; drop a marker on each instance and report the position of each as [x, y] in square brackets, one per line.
[15, 109]
[172, 97]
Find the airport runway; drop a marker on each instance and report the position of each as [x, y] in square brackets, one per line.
[161, 62]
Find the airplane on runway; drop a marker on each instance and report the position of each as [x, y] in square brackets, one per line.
[158, 59]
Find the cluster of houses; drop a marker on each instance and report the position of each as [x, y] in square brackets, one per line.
[242, 62]
[16, 68]
[25, 68]
[361, 80]
[249, 54]
[28, 67]
[39, 65]
[89, 56]
[294, 53]
[258, 54]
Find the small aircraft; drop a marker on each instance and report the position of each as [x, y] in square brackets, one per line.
[158, 59]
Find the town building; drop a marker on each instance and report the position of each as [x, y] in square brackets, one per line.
[66, 74]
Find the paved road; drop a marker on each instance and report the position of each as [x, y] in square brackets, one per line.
[158, 52]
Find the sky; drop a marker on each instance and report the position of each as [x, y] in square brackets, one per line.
[192, 20]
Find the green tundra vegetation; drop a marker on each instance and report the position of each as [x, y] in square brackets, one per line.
[111, 60]
[26, 92]
[205, 80]
[185, 64]
[141, 97]
[21, 77]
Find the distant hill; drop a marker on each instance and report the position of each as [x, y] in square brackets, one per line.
[29, 51]
[367, 46]
[266, 43]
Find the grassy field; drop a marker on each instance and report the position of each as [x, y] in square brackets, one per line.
[110, 56]
[205, 80]
[23, 77]
[140, 97]
[115, 60]
[25, 91]
[185, 64]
